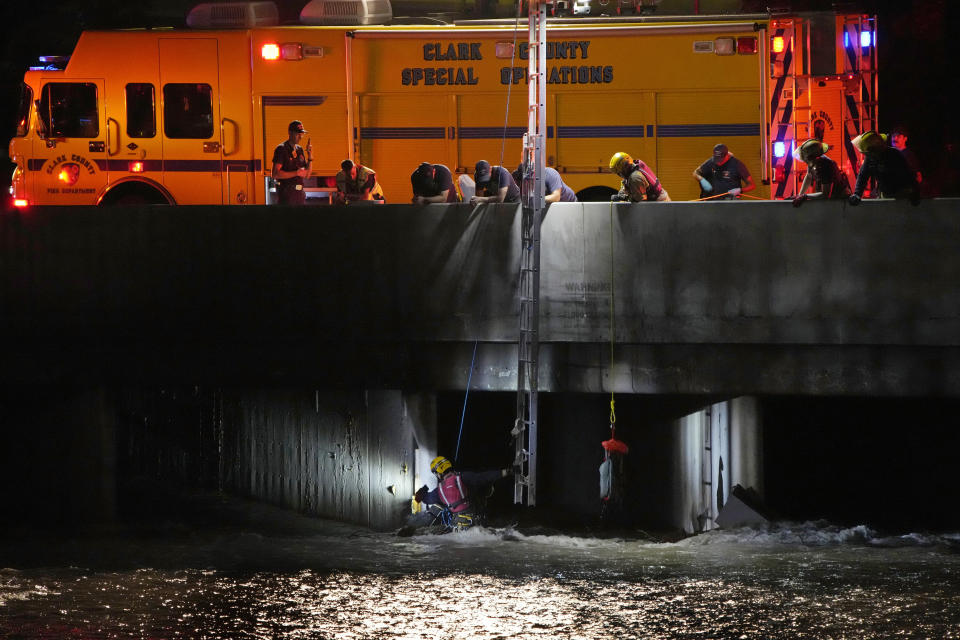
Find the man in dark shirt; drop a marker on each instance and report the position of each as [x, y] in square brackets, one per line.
[554, 187]
[494, 184]
[723, 174]
[433, 183]
[887, 166]
[898, 140]
[291, 165]
[828, 181]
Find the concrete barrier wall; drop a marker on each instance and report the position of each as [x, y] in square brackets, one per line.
[823, 299]
[742, 272]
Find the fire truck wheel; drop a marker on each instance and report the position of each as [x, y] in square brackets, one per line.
[133, 196]
[596, 194]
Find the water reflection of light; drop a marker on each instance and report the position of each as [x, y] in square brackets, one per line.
[808, 581]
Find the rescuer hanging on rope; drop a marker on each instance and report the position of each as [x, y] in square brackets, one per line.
[458, 491]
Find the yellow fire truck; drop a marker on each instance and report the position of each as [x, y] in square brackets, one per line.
[193, 116]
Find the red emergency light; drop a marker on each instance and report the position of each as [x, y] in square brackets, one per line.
[746, 46]
[779, 174]
[270, 51]
[69, 174]
[136, 167]
[778, 44]
[21, 202]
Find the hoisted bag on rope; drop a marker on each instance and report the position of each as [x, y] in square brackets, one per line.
[606, 478]
[611, 448]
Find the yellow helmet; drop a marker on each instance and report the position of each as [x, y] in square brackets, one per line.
[869, 141]
[440, 465]
[811, 150]
[619, 162]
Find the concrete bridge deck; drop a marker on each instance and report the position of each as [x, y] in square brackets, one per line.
[724, 297]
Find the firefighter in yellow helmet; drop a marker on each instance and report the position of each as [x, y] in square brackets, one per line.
[637, 181]
[887, 166]
[828, 181]
[454, 491]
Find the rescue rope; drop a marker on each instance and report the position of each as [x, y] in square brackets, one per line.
[721, 195]
[513, 56]
[613, 413]
[613, 445]
[466, 394]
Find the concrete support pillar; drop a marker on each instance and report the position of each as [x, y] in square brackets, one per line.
[746, 444]
[420, 420]
[714, 449]
[686, 456]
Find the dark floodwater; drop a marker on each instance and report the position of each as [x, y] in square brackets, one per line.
[278, 575]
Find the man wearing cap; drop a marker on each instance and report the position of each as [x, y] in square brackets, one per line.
[722, 174]
[898, 140]
[291, 165]
[555, 189]
[356, 182]
[433, 183]
[494, 184]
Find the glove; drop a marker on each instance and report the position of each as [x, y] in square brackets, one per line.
[506, 472]
[854, 200]
[800, 199]
[734, 192]
[619, 197]
[705, 185]
[421, 494]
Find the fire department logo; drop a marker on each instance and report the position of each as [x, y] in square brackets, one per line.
[822, 122]
[69, 173]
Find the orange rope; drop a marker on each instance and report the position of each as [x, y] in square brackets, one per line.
[723, 195]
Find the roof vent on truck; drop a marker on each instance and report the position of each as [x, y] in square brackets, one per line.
[346, 12]
[233, 15]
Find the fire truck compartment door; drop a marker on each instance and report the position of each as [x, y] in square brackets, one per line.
[190, 120]
[70, 163]
[593, 126]
[690, 123]
[480, 131]
[403, 130]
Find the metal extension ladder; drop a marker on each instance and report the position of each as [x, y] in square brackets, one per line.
[528, 344]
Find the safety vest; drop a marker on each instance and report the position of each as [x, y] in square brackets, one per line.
[453, 493]
[654, 190]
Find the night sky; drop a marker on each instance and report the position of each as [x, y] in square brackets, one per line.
[918, 85]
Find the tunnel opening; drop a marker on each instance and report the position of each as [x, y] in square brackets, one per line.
[572, 427]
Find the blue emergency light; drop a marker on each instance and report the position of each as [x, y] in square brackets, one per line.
[867, 39]
[779, 149]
